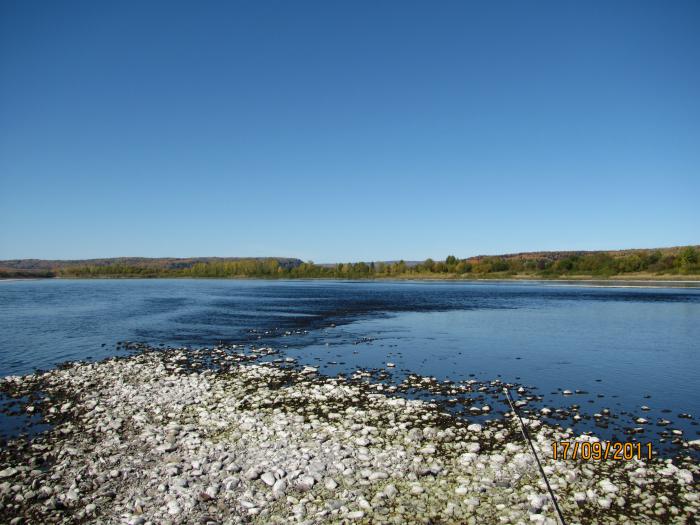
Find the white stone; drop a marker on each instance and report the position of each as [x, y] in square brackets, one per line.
[607, 486]
[604, 503]
[473, 447]
[536, 501]
[268, 478]
[330, 484]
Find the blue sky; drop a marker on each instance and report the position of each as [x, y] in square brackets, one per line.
[337, 131]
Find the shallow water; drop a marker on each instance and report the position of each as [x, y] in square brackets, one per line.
[632, 346]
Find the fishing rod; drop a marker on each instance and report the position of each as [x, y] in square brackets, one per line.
[526, 435]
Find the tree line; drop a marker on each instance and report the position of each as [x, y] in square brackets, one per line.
[685, 261]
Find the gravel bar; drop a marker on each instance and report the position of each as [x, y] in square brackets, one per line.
[212, 436]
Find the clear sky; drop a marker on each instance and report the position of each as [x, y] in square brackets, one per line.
[342, 131]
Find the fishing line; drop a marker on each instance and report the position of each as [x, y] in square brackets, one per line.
[526, 435]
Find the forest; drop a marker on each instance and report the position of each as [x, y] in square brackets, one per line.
[648, 263]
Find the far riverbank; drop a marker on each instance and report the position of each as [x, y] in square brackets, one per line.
[631, 280]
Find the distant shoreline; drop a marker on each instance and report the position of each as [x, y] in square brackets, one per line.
[680, 263]
[613, 282]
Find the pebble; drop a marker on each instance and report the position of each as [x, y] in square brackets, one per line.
[279, 488]
[305, 483]
[268, 478]
[7, 473]
[607, 486]
[269, 443]
[330, 484]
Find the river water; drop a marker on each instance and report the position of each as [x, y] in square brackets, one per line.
[622, 348]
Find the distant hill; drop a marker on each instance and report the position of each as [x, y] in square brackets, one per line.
[167, 263]
[544, 255]
[561, 254]
[642, 263]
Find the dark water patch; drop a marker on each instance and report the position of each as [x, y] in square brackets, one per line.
[20, 417]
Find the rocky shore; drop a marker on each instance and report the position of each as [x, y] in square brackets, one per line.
[213, 436]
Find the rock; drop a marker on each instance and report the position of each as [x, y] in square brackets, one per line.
[685, 476]
[252, 473]
[467, 458]
[167, 447]
[305, 483]
[604, 503]
[401, 459]
[607, 486]
[473, 447]
[233, 467]
[231, 483]
[279, 488]
[173, 508]
[180, 482]
[334, 504]
[8, 473]
[268, 478]
[330, 484]
[536, 501]
[416, 434]
[417, 489]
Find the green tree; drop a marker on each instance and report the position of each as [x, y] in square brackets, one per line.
[687, 257]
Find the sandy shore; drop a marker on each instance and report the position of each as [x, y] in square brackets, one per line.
[213, 437]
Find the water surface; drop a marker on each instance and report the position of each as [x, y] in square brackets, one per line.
[624, 347]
